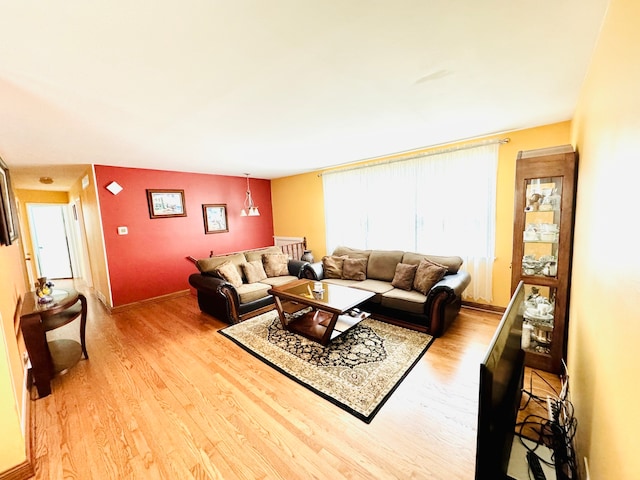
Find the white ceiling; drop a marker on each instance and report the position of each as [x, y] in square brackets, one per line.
[277, 87]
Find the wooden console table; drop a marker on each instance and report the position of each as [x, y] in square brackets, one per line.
[36, 319]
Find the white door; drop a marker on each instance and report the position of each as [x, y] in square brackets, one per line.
[51, 245]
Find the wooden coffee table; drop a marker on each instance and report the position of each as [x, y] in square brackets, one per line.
[320, 319]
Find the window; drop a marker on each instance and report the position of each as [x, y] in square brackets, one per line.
[440, 204]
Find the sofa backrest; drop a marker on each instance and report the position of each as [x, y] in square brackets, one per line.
[381, 264]
[452, 263]
[253, 255]
[211, 264]
[351, 252]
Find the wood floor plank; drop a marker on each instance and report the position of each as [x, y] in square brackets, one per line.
[164, 395]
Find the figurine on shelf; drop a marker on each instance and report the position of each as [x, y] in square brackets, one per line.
[533, 202]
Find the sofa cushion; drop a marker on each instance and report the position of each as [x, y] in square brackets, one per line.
[341, 281]
[332, 266]
[452, 263]
[404, 276]
[256, 255]
[248, 292]
[378, 287]
[277, 281]
[407, 301]
[254, 271]
[354, 269]
[382, 264]
[275, 264]
[211, 264]
[229, 272]
[427, 275]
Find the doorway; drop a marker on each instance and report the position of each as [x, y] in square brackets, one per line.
[50, 236]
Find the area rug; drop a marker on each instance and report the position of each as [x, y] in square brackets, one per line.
[358, 371]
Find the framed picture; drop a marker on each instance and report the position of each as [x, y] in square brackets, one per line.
[8, 216]
[215, 218]
[166, 203]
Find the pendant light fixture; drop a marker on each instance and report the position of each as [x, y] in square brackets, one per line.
[249, 210]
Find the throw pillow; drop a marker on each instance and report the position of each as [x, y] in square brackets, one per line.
[354, 269]
[229, 272]
[404, 276]
[427, 275]
[332, 266]
[254, 271]
[275, 264]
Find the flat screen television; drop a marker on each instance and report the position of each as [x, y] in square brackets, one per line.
[501, 379]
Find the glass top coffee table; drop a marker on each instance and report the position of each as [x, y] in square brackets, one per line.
[321, 317]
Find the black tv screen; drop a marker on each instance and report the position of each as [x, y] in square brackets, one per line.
[501, 377]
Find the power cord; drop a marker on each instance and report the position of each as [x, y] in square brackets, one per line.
[557, 433]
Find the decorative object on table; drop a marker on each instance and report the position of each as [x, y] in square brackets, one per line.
[215, 218]
[307, 256]
[317, 291]
[43, 290]
[166, 203]
[357, 371]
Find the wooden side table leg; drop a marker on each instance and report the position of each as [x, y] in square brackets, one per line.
[83, 325]
[280, 311]
[36, 342]
[326, 338]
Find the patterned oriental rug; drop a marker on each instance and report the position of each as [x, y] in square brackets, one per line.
[358, 371]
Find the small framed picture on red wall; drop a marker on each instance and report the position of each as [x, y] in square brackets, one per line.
[166, 203]
[215, 218]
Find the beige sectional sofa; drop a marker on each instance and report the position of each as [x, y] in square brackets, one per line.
[417, 290]
[235, 287]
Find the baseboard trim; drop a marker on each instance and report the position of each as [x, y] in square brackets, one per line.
[141, 303]
[24, 470]
[483, 306]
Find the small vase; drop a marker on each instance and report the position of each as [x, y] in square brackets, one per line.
[307, 256]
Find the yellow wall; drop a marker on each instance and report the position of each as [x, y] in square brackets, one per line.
[12, 442]
[94, 236]
[604, 318]
[298, 202]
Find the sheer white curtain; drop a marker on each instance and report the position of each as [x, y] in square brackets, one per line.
[442, 204]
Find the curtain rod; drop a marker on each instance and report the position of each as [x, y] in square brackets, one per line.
[440, 151]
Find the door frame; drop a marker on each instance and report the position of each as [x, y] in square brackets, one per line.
[68, 229]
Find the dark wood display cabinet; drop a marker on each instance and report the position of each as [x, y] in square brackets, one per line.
[542, 248]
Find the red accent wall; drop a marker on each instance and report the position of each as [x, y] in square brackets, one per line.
[150, 260]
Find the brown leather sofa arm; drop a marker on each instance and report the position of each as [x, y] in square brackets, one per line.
[216, 297]
[296, 267]
[444, 301]
[313, 271]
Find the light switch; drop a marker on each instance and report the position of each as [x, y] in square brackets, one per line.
[123, 230]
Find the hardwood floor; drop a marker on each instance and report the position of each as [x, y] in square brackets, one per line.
[163, 395]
